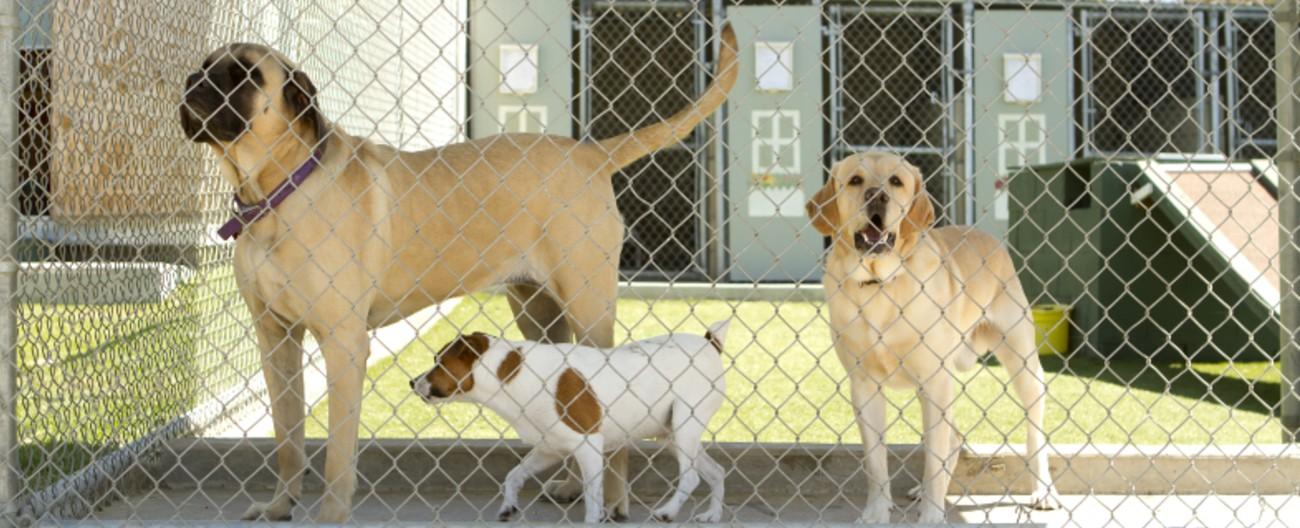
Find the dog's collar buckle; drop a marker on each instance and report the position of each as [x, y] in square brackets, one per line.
[245, 214]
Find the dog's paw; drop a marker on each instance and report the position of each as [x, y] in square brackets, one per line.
[709, 517]
[507, 513]
[332, 514]
[1046, 500]
[562, 490]
[615, 516]
[916, 492]
[877, 511]
[663, 515]
[932, 516]
[280, 511]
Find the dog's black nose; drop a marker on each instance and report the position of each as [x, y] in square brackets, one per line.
[876, 195]
[412, 384]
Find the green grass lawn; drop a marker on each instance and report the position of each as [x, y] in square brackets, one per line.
[786, 385]
[92, 378]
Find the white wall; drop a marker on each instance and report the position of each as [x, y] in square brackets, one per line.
[389, 70]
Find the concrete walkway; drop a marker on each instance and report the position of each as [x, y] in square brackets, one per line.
[185, 506]
[437, 481]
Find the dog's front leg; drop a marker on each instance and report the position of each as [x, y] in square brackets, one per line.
[616, 493]
[533, 463]
[940, 450]
[345, 347]
[591, 463]
[566, 487]
[869, 409]
[281, 348]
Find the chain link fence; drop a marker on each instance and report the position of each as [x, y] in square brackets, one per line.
[1135, 159]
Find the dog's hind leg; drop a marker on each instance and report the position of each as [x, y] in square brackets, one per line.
[1017, 354]
[281, 348]
[693, 463]
[539, 317]
[688, 428]
[589, 302]
[716, 478]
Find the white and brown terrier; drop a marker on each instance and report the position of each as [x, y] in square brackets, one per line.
[567, 399]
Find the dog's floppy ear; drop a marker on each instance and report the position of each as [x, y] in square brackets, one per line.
[919, 217]
[477, 343]
[822, 210]
[300, 97]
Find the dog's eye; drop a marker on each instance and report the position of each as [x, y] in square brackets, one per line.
[255, 74]
[893, 180]
[855, 181]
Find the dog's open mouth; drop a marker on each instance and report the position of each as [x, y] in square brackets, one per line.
[873, 238]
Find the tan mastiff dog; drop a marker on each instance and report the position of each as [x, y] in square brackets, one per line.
[341, 235]
[910, 306]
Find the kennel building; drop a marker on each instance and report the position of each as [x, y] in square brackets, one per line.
[136, 390]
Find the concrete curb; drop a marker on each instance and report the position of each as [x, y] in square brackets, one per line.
[776, 469]
[777, 292]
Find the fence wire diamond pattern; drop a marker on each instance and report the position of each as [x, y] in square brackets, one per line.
[440, 197]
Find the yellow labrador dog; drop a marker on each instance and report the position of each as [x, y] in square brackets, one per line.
[909, 307]
[338, 235]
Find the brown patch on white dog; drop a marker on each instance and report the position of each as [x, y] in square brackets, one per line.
[713, 340]
[576, 404]
[509, 367]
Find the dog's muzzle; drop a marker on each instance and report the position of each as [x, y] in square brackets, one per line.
[207, 113]
[873, 238]
[425, 390]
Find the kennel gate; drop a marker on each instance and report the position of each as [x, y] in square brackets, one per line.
[893, 86]
[629, 52]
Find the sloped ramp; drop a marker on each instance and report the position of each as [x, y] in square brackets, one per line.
[1230, 209]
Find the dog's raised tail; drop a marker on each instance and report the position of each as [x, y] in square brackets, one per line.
[627, 148]
[717, 334]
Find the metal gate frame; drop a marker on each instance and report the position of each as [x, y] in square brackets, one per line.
[1205, 70]
[949, 150]
[1236, 139]
[703, 265]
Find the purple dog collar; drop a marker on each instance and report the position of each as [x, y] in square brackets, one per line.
[246, 214]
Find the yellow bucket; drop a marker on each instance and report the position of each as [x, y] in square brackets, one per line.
[1052, 329]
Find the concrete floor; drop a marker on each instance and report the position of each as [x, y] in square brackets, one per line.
[190, 506]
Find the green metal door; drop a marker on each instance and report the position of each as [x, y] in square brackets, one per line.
[1022, 101]
[774, 144]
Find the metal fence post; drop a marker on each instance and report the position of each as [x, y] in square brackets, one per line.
[1288, 161]
[9, 488]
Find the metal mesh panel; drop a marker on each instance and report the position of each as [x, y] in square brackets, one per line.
[1147, 82]
[893, 86]
[893, 63]
[643, 65]
[1252, 88]
[257, 270]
